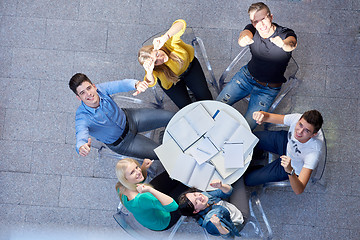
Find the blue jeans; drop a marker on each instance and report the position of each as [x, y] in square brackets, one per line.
[141, 120]
[243, 84]
[274, 142]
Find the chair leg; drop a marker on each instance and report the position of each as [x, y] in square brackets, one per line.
[256, 199]
[176, 227]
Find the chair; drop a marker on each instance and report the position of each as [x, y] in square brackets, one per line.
[290, 74]
[200, 54]
[129, 224]
[316, 175]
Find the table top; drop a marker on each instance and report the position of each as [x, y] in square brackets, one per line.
[212, 106]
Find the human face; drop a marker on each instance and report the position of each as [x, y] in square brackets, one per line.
[304, 131]
[262, 21]
[86, 92]
[133, 173]
[159, 57]
[199, 200]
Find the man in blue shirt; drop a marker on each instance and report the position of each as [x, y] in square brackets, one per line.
[99, 116]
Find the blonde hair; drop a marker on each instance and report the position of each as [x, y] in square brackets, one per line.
[144, 54]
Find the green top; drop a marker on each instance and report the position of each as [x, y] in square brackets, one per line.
[148, 210]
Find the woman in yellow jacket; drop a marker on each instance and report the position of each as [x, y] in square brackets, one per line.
[172, 62]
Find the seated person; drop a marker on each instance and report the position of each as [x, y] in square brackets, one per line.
[99, 116]
[153, 205]
[271, 46]
[299, 148]
[217, 216]
[172, 62]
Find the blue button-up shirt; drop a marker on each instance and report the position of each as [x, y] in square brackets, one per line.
[107, 122]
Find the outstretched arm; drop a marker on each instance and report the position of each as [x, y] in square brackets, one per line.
[261, 116]
[288, 44]
[174, 29]
[245, 38]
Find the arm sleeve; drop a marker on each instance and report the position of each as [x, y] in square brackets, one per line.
[251, 28]
[113, 87]
[147, 200]
[82, 131]
[221, 194]
[290, 119]
[289, 32]
[176, 37]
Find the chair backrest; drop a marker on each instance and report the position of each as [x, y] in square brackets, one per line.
[318, 173]
[129, 224]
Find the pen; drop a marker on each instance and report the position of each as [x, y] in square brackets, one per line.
[216, 113]
[203, 151]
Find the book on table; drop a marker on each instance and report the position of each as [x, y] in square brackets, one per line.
[191, 127]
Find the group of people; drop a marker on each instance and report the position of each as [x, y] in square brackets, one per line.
[171, 62]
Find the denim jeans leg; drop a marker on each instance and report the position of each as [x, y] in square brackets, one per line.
[272, 172]
[238, 87]
[260, 100]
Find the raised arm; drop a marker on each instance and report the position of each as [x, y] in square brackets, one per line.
[163, 198]
[261, 116]
[298, 183]
[225, 188]
[245, 38]
[174, 29]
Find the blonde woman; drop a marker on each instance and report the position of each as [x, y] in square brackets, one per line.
[172, 62]
[151, 208]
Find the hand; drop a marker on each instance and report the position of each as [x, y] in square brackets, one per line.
[142, 188]
[85, 149]
[286, 163]
[140, 86]
[146, 163]
[245, 40]
[160, 41]
[277, 41]
[215, 220]
[258, 117]
[149, 65]
[216, 183]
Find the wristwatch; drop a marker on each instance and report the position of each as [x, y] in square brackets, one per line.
[292, 172]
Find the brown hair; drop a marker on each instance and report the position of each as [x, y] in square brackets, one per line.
[77, 80]
[314, 118]
[258, 6]
[144, 54]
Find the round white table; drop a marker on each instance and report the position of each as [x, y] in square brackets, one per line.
[212, 106]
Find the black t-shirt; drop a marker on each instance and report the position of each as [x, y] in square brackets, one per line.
[268, 62]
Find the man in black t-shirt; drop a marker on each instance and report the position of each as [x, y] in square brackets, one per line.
[270, 46]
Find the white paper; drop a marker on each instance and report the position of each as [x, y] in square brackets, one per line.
[219, 162]
[200, 119]
[201, 176]
[234, 155]
[183, 168]
[183, 133]
[202, 151]
[244, 135]
[224, 127]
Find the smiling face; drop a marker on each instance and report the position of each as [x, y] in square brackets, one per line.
[159, 57]
[262, 21]
[199, 200]
[87, 93]
[304, 131]
[133, 173]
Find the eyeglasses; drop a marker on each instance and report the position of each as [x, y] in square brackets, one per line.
[257, 21]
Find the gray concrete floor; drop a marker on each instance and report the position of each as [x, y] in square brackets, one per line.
[48, 192]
